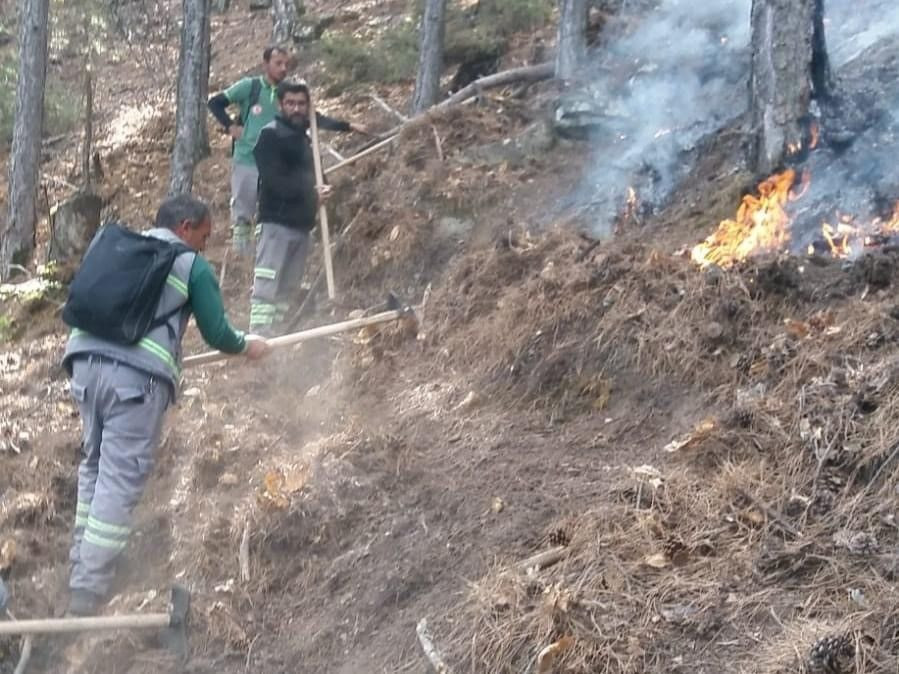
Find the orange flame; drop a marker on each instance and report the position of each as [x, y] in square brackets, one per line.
[761, 225]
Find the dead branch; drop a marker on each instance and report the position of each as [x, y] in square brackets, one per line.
[334, 153]
[359, 155]
[224, 269]
[52, 140]
[62, 181]
[339, 238]
[437, 143]
[543, 559]
[420, 313]
[25, 654]
[771, 513]
[525, 73]
[393, 111]
[427, 645]
[243, 553]
[536, 73]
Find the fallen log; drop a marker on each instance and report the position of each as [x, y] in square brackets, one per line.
[523, 74]
[536, 73]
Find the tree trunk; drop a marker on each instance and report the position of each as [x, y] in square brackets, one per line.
[430, 60]
[284, 20]
[789, 68]
[572, 37]
[88, 127]
[192, 67]
[24, 165]
[203, 149]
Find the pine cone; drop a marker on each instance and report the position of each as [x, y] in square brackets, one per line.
[675, 550]
[559, 537]
[862, 543]
[832, 655]
[824, 501]
[740, 417]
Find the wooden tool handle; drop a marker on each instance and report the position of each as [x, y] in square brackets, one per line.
[304, 335]
[322, 211]
[61, 625]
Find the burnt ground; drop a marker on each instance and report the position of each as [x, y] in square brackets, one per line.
[710, 452]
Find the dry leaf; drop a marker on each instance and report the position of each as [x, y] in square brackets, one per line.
[471, 400]
[548, 655]
[498, 505]
[755, 517]
[657, 561]
[797, 329]
[697, 435]
[649, 474]
[272, 492]
[7, 554]
[295, 479]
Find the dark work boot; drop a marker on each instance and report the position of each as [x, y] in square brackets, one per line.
[83, 603]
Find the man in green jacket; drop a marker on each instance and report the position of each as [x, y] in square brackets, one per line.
[122, 392]
[257, 100]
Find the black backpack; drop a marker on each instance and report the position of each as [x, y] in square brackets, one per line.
[116, 291]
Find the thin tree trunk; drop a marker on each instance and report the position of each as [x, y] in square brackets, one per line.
[284, 20]
[88, 127]
[572, 37]
[789, 68]
[430, 60]
[203, 149]
[24, 166]
[192, 66]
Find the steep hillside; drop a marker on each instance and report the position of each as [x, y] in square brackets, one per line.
[588, 456]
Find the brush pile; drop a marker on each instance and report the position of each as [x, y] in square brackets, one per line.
[764, 537]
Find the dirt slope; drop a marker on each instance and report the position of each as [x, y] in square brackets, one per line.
[384, 477]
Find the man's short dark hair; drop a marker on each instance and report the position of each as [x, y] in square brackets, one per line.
[175, 210]
[287, 87]
[274, 49]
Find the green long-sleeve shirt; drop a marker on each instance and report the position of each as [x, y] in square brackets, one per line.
[209, 309]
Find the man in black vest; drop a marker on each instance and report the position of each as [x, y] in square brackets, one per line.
[288, 203]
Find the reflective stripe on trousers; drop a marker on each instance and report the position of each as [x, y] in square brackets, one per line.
[122, 411]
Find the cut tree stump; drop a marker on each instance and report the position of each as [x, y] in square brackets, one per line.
[73, 224]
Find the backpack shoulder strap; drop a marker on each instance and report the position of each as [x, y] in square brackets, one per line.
[180, 249]
[253, 99]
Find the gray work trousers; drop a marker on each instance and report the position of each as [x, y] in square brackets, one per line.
[280, 262]
[122, 411]
[244, 188]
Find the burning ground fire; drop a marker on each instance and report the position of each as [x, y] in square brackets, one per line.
[763, 225]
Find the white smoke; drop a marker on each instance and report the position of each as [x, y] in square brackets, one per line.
[852, 26]
[653, 94]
